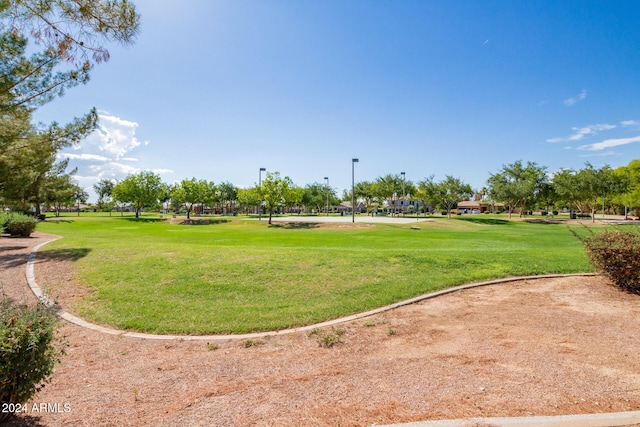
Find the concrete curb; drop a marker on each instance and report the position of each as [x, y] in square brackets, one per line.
[35, 288]
[583, 420]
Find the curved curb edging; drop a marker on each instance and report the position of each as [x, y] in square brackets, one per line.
[610, 419]
[37, 291]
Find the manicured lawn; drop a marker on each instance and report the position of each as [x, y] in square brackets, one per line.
[236, 276]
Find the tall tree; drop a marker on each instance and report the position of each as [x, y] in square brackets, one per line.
[71, 35]
[190, 192]
[446, 193]
[104, 189]
[275, 191]
[630, 197]
[249, 197]
[588, 186]
[365, 191]
[316, 195]
[59, 189]
[517, 185]
[227, 193]
[140, 190]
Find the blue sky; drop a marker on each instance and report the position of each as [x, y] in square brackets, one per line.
[217, 89]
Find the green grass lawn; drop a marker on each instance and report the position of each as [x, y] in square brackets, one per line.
[237, 276]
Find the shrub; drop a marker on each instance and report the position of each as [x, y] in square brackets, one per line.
[616, 255]
[17, 224]
[27, 351]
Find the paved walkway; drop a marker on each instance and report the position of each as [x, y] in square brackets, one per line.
[614, 419]
[366, 219]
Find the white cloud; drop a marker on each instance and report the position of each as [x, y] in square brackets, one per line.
[603, 154]
[106, 153]
[582, 95]
[580, 133]
[161, 171]
[609, 143]
[94, 157]
[626, 123]
[122, 169]
[116, 136]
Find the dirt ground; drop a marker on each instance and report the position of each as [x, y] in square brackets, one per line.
[537, 347]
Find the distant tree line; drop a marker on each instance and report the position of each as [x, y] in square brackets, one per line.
[520, 187]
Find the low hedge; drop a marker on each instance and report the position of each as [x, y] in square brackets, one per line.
[17, 224]
[616, 255]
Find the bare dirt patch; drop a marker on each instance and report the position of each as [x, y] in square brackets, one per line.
[536, 347]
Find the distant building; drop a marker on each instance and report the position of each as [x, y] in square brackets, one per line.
[469, 206]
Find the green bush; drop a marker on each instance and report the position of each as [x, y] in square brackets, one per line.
[27, 351]
[616, 255]
[17, 224]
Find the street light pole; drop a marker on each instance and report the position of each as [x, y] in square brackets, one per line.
[403, 195]
[327, 191]
[260, 192]
[353, 188]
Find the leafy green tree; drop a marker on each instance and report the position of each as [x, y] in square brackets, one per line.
[190, 192]
[547, 195]
[315, 196]
[365, 191]
[276, 191]
[517, 185]
[294, 197]
[104, 190]
[392, 188]
[630, 196]
[139, 190]
[249, 197]
[60, 191]
[447, 193]
[586, 188]
[227, 193]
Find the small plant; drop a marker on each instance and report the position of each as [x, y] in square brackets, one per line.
[314, 331]
[252, 343]
[17, 224]
[212, 346]
[332, 338]
[616, 255]
[27, 351]
[391, 332]
[375, 322]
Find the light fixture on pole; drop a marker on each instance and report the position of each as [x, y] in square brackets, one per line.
[327, 191]
[353, 188]
[260, 192]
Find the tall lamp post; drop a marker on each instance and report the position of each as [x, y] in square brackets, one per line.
[327, 191]
[403, 194]
[260, 190]
[353, 188]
